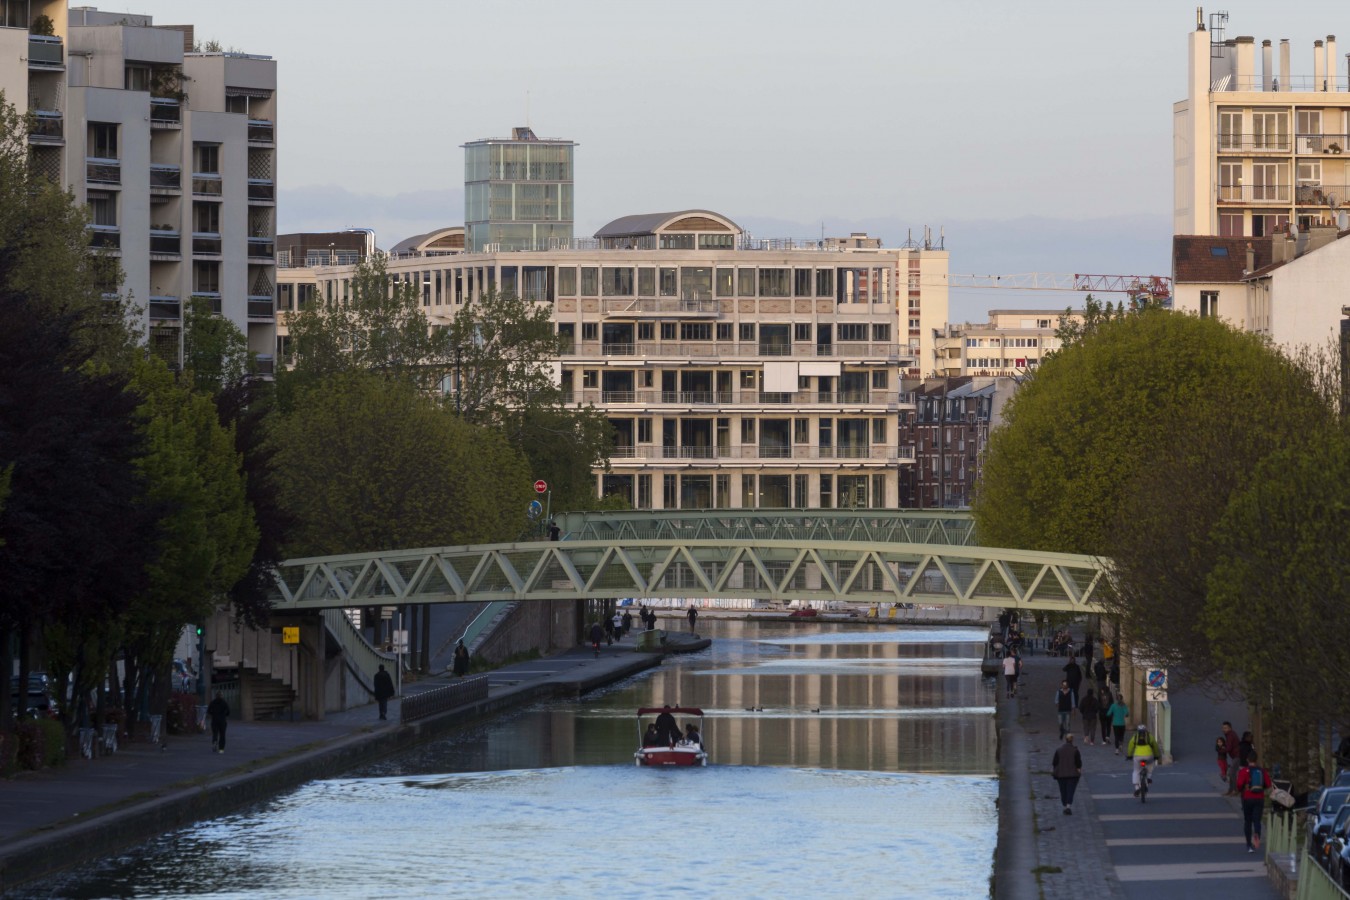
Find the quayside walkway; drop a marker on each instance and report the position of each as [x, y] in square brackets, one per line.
[1185, 842]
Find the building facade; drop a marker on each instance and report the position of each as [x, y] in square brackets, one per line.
[174, 152]
[1258, 147]
[735, 373]
[1011, 344]
[949, 432]
[518, 192]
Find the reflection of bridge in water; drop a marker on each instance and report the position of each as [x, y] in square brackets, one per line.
[858, 556]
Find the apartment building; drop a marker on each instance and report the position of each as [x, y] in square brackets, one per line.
[736, 373]
[1259, 147]
[1011, 344]
[949, 432]
[518, 192]
[173, 151]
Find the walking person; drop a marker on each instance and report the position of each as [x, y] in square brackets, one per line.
[461, 661]
[1104, 715]
[627, 621]
[693, 617]
[1064, 704]
[384, 689]
[1088, 709]
[219, 713]
[609, 630]
[617, 621]
[1010, 673]
[1244, 747]
[1099, 673]
[597, 635]
[1252, 781]
[1074, 676]
[1226, 748]
[1120, 714]
[1067, 767]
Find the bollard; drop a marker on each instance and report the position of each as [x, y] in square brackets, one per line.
[155, 723]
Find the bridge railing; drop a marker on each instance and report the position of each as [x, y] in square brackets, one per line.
[362, 656]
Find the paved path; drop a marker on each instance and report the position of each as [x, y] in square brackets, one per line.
[1186, 842]
[37, 803]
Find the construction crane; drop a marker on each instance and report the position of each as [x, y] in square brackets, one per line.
[1151, 288]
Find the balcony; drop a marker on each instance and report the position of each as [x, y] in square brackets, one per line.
[718, 350]
[261, 308]
[103, 171]
[206, 184]
[212, 299]
[205, 243]
[166, 180]
[165, 113]
[261, 132]
[261, 190]
[628, 306]
[1255, 193]
[261, 249]
[166, 309]
[874, 454]
[1255, 144]
[264, 364]
[105, 237]
[889, 400]
[165, 245]
[1324, 144]
[46, 53]
[47, 126]
[1320, 195]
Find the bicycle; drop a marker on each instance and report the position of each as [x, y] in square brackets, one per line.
[1143, 780]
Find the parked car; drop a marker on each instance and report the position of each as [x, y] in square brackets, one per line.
[39, 700]
[1321, 818]
[1335, 840]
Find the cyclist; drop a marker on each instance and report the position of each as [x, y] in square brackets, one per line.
[1142, 748]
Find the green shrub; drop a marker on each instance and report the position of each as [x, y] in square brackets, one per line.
[53, 742]
[30, 749]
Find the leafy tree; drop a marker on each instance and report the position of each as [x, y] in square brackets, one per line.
[366, 463]
[76, 535]
[215, 351]
[1128, 445]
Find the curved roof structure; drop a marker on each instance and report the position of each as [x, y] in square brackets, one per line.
[444, 239]
[655, 223]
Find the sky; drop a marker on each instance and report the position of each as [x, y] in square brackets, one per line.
[1029, 137]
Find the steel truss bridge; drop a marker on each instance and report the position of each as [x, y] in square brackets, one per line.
[859, 556]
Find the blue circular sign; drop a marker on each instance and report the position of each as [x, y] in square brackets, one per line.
[535, 509]
[1157, 678]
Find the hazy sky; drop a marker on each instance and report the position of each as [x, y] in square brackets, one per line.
[1037, 134]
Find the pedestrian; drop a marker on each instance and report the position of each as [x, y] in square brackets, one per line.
[651, 619]
[1010, 673]
[1088, 709]
[608, 624]
[1074, 676]
[1120, 714]
[597, 635]
[384, 689]
[1244, 748]
[1087, 651]
[627, 621]
[617, 621]
[554, 532]
[1099, 673]
[1067, 767]
[1104, 714]
[1252, 781]
[461, 662]
[1226, 748]
[693, 617]
[1114, 673]
[219, 712]
[1064, 704]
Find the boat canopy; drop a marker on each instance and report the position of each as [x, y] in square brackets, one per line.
[681, 710]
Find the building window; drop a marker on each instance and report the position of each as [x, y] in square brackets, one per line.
[646, 282]
[879, 432]
[852, 332]
[826, 491]
[747, 431]
[801, 431]
[824, 282]
[669, 283]
[724, 331]
[644, 431]
[647, 378]
[590, 331]
[102, 209]
[677, 242]
[103, 140]
[695, 331]
[1209, 304]
[801, 283]
[206, 158]
[881, 332]
[617, 282]
[881, 379]
[567, 282]
[749, 380]
[567, 336]
[801, 331]
[590, 281]
[668, 331]
[716, 241]
[745, 282]
[1230, 224]
[747, 332]
[724, 282]
[774, 282]
[590, 378]
[646, 331]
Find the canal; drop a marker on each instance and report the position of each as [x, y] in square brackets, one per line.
[858, 761]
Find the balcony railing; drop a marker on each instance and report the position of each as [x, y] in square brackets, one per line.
[166, 309]
[261, 308]
[796, 452]
[211, 297]
[264, 364]
[102, 171]
[206, 184]
[1255, 193]
[165, 113]
[45, 52]
[1320, 194]
[1255, 143]
[166, 178]
[1326, 144]
[261, 248]
[630, 305]
[729, 349]
[205, 243]
[262, 189]
[105, 237]
[47, 127]
[166, 243]
[260, 131]
[1298, 84]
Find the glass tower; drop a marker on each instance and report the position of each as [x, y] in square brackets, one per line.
[517, 192]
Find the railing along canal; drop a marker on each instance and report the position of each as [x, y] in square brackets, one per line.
[439, 700]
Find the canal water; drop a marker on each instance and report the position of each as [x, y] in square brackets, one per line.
[845, 760]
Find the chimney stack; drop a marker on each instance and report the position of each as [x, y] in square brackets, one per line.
[1319, 66]
[1246, 63]
[1284, 64]
[1251, 257]
[1267, 72]
[1331, 63]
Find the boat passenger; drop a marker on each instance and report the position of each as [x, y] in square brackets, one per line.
[692, 737]
[667, 729]
[651, 738]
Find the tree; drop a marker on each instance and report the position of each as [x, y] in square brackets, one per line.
[215, 351]
[1127, 445]
[366, 463]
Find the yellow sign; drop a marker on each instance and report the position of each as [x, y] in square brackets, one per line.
[290, 635]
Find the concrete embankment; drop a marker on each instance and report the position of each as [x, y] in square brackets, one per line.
[62, 818]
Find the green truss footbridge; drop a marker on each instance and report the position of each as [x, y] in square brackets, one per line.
[810, 556]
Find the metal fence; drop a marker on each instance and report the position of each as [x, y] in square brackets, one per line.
[439, 700]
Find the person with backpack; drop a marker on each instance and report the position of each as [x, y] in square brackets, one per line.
[1144, 748]
[1064, 704]
[1252, 781]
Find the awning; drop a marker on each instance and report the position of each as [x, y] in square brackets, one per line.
[780, 377]
[825, 369]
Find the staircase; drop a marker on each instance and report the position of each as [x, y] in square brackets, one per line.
[270, 696]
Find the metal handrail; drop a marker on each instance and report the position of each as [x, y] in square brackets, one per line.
[362, 656]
